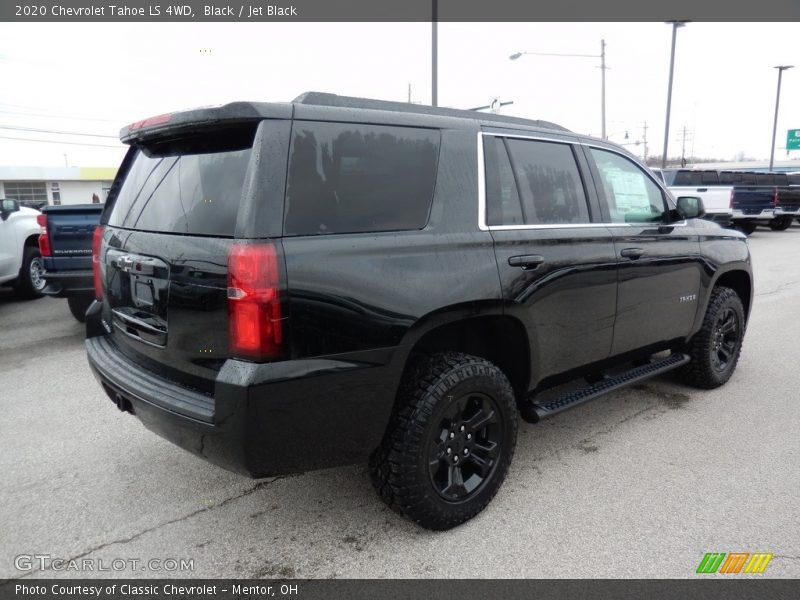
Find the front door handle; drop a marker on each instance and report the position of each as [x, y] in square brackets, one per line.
[632, 253]
[526, 261]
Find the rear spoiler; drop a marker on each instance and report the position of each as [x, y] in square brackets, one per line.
[197, 118]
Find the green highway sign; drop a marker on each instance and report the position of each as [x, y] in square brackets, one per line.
[793, 139]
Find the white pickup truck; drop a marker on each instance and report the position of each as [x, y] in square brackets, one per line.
[714, 187]
[20, 260]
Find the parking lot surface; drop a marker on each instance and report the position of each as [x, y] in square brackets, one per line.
[640, 483]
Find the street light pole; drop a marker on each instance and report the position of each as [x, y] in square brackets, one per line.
[781, 69]
[675, 25]
[603, 68]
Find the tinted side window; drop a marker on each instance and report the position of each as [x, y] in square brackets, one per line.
[709, 177]
[352, 178]
[502, 197]
[726, 177]
[794, 179]
[631, 195]
[549, 182]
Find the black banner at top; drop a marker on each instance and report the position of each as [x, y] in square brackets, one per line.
[396, 10]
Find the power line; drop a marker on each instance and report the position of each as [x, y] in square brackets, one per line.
[44, 112]
[5, 137]
[17, 113]
[60, 132]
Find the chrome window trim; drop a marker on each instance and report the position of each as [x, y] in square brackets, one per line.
[482, 188]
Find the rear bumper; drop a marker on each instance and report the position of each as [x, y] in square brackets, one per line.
[67, 283]
[746, 215]
[789, 211]
[263, 419]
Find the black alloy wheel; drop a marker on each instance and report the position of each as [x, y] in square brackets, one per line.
[726, 338]
[465, 445]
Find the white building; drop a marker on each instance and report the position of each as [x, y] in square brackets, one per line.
[36, 186]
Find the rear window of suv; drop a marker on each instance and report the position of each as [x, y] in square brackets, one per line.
[190, 188]
[354, 178]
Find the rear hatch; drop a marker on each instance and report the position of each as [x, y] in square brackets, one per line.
[170, 227]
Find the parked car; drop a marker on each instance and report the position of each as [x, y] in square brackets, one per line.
[66, 249]
[284, 287]
[20, 261]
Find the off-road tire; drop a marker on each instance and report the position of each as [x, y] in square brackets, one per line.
[780, 223]
[25, 286]
[704, 371]
[78, 305]
[400, 469]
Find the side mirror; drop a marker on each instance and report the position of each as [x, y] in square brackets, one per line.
[691, 207]
[8, 206]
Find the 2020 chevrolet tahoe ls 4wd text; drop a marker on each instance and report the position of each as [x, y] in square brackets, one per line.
[284, 287]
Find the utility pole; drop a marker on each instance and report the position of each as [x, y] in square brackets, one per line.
[685, 135]
[781, 69]
[644, 140]
[409, 93]
[434, 53]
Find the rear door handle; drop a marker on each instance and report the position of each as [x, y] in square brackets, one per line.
[632, 253]
[526, 261]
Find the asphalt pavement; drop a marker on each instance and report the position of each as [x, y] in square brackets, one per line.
[640, 483]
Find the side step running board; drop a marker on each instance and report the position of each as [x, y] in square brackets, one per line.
[533, 412]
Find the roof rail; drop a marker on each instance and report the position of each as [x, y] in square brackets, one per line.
[327, 99]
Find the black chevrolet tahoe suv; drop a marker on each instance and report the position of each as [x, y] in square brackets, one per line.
[284, 287]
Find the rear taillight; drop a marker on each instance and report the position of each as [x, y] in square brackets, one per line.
[254, 306]
[44, 238]
[97, 239]
[733, 194]
[774, 196]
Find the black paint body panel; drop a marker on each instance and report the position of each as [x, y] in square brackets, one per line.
[354, 305]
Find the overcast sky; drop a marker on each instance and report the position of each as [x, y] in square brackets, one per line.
[95, 78]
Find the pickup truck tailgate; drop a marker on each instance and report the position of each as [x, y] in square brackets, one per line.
[70, 229]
